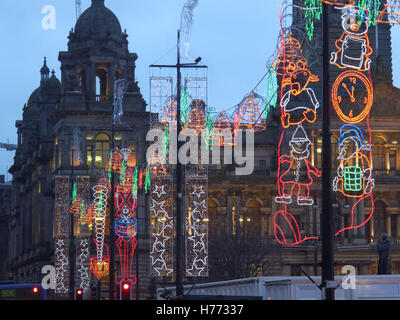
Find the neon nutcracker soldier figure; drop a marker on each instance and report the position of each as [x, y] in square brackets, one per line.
[296, 171]
[126, 229]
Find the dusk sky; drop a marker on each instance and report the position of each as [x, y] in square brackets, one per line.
[234, 38]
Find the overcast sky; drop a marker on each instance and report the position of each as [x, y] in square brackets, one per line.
[234, 38]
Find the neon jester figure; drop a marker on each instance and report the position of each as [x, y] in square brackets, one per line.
[297, 171]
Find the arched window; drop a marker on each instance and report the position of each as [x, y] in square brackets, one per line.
[101, 84]
[379, 154]
[103, 145]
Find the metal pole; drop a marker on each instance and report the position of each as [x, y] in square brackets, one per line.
[72, 236]
[179, 214]
[112, 238]
[137, 273]
[327, 222]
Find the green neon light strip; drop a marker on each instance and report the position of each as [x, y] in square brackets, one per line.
[353, 178]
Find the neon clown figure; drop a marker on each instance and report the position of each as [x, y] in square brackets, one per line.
[354, 50]
[126, 229]
[299, 104]
[354, 175]
[302, 176]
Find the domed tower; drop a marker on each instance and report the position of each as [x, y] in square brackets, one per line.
[97, 56]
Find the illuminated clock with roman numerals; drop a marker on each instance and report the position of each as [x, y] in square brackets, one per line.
[352, 96]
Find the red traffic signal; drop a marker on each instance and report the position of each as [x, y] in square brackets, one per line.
[125, 291]
[78, 294]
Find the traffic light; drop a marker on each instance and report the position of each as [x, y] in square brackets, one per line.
[125, 290]
[79, 294]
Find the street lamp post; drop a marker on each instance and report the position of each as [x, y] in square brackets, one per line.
[180, 236]
[327, 223]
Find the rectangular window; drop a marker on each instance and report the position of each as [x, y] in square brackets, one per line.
[73, 157]
[393, 159]
[393, 225]
[59, 158]
[89, 156]
[266, 227]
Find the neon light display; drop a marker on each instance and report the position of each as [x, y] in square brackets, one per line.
[62, 267]
[126, 230]
[222, 123]
[62, 192]
[249, 114]
[390, 12]
[83, 264]
[99, 264]
[197, 221]
[352, 98]
[196, 120]
[162, 223]
[353, 47]
[115, 162]
[82, 276]
[296, 172]
[349, 106]
[301, 178]
[299, 104]
[169, 116]
[312, 14]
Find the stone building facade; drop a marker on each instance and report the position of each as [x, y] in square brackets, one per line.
[98, 55]
[5, 213]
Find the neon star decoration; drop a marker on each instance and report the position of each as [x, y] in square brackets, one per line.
[62, 219]
[162, 227]
[197, 221]
[62, 267]
[83, 265]
[162, 218]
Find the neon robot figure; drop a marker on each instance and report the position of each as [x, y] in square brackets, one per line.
[126, 230]
[354, 174]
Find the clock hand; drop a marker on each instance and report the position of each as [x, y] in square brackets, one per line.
[350, 94]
